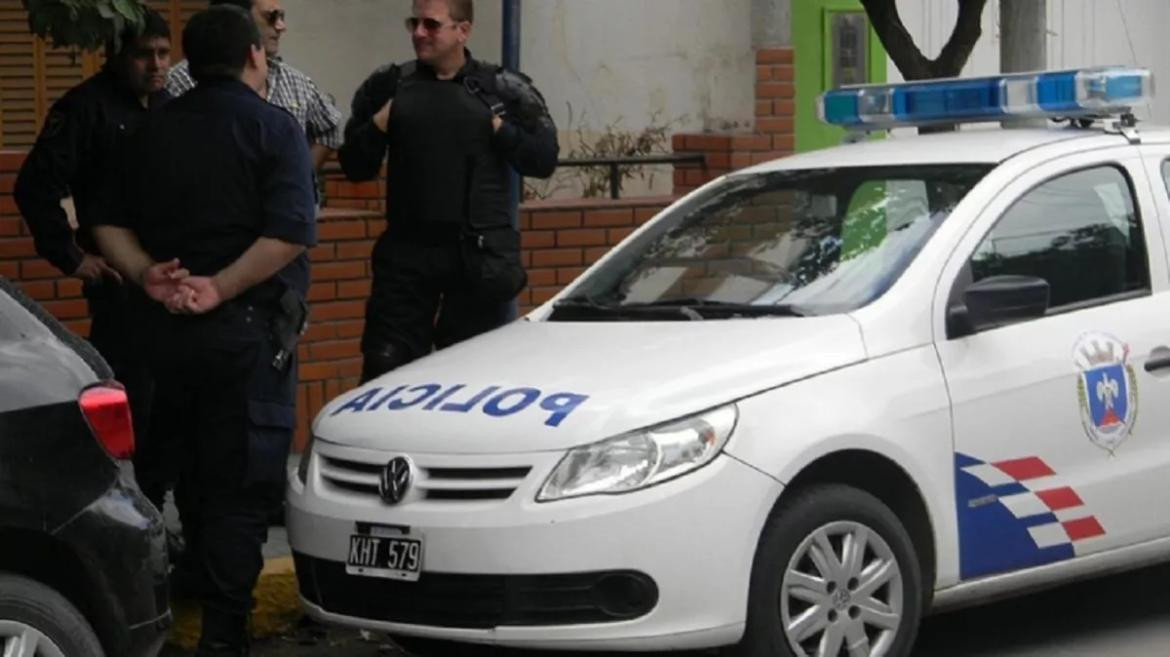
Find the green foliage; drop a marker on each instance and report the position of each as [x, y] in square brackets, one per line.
[82, 24]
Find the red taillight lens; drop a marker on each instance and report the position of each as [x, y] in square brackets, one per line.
[108, 411]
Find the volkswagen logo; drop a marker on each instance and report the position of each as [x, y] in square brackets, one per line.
[395, 480]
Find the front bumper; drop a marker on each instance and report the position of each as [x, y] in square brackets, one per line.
[121, 541]
[508, 570]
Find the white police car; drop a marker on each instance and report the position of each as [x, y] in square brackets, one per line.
[802, 407]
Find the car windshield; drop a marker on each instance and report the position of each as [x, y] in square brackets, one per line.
[799, 242]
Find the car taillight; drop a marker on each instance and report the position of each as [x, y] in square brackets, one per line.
[107, 409]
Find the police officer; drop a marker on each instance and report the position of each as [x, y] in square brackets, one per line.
[216, 232]
[451, 127]
[73, 155]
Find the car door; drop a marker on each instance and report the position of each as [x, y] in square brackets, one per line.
[1060, 432]
[1157, 163]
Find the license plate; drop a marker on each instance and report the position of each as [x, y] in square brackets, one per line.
[391, 557]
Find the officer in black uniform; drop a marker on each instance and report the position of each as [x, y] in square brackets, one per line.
[451, 126]
[221, 210]
[73, 156]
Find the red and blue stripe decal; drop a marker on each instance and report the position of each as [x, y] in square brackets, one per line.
[1016, 514]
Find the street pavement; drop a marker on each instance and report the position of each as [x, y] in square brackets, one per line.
[1120, 616]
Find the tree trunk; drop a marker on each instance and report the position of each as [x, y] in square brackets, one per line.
[911, 63]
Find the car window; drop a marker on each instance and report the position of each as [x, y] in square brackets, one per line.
[21, 319]
[1080, 232]
[15, 322]
[1166, 175]
[826, 240]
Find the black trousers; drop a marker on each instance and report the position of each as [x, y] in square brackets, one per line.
[232, 415]
[117, 332]
[420, 302]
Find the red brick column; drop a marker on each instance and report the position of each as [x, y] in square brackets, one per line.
[774, 135]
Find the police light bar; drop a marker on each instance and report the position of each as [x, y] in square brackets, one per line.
[1058, 94]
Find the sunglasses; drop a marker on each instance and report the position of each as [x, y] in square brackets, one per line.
[429, 24]
[274, 16]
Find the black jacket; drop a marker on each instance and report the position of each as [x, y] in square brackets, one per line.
[211, 173]
[73, 156]
[446, 165]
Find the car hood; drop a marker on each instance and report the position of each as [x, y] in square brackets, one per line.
[536, 386]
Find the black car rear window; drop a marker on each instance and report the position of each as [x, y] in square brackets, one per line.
[22, 319]
[16, 321]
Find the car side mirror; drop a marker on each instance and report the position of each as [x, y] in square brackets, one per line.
[996, 301]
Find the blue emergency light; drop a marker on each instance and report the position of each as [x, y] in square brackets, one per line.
[1058, 94]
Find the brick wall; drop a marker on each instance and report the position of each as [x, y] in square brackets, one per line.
[774, 135]
[19, 261]
[560, 238]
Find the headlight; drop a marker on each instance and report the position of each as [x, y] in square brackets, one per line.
[641, 458]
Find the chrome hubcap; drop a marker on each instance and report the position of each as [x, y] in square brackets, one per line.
[841, 594]
[20, 640]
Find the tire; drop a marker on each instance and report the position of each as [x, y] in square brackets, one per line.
[887, 576]
[30, 609]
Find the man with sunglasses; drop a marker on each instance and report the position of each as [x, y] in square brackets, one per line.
[286, 87]
[451, 127]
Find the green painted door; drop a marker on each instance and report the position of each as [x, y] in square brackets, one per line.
[835, 45]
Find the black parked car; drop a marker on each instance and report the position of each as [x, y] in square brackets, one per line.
[82, 552]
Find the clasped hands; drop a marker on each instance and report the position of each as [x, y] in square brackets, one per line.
[183, 294]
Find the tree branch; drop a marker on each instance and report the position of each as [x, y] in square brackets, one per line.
[968, 29]
[913, 65]
[896, 39]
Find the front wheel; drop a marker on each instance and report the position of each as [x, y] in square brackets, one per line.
[835, 575]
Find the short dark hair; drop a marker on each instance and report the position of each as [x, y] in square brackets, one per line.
[153, 26]
[246, 5]
[461, 10]
[218, 42]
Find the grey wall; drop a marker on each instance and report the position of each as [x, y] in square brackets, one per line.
[689, 61]
[340, 42]
[771, 23]
[607, 59]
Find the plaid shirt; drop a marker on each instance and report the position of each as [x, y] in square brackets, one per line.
[288, 89]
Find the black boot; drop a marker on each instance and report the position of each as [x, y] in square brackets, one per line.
[224, 634]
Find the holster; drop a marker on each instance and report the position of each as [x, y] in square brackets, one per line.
[288, 324]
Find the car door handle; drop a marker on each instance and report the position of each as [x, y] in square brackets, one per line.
[1159, 359]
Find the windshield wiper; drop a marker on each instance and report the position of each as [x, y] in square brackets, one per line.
[591, 305]
[706, 307]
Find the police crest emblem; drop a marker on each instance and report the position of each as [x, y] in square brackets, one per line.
[1106, 389]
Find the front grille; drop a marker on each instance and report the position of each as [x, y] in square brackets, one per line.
[479, 601]
[441, 484]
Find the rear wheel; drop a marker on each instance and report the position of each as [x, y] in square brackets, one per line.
[835, 575]
[36, 621]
